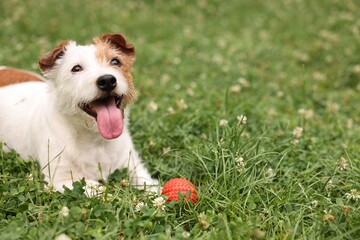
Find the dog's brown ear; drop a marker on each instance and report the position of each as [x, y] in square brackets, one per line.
[118, 41]
[48, 60]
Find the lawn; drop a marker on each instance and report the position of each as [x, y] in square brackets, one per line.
[256, 102]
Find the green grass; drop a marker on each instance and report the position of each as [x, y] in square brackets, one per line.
[193, 57]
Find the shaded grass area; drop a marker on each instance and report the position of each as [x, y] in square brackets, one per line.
[290, 172]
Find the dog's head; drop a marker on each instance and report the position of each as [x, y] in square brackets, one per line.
[93, 82]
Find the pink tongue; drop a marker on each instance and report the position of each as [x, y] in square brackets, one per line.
[109, 118]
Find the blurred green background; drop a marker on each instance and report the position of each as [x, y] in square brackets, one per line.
[282, 63]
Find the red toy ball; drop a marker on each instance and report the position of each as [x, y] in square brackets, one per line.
[176, 185]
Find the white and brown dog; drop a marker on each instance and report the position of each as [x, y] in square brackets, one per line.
[76, 123]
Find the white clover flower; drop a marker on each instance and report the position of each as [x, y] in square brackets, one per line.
[152, 106]
[171, 111]
[306, 113]
[203, 221]
[302, 111]
[94, 189]
[271, 112]
[301, 56]
[356, 68]
[108, 197]
[353, 195]
[190, 92]
[166, 150]
[330, 36]
[243, 82]
[159, 203]
[346, 210]
[329, 185]
[186, 235]
[280, 133]
[342, 164]
[165, 78]
[294, 141]
[329, 59]
[245, 134]
[64, 211]
[222, 42]
[152, 143]
[332, 107]
[280, 94]
[139, 206]
[270, 173]
[282, 75]
[242, 119]
[314, 204]
[124, 183]
[318, 76]
[193, 85]
[235, 88]
[92, 185]
[101, 188]
[218, 59]
[240, 165]
[349, 123]
[263, 34]
[203, 136]
[223, 122]
[62, 236]
[297, 132]
[29, 177]
[90, 190]
[181, 104]
[49, 188]
[239, 160]
[328, 216]
[134, 200]
[176, 61]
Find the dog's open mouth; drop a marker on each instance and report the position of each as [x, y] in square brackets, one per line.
[108, 114]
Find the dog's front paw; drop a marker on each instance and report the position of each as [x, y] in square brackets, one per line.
[91, 189]
[60, 186]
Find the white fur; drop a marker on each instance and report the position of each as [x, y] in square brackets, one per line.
[43, 121]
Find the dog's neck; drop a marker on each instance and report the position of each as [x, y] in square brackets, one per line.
[80, 124]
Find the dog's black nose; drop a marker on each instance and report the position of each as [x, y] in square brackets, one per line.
[106, 82]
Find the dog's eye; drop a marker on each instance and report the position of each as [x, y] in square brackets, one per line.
[77, 68]
[115, 62]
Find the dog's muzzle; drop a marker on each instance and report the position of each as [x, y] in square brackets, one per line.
[106, 109]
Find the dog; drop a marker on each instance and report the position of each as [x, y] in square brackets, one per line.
[75, 120]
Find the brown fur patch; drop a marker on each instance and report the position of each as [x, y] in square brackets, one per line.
[118, 41]
[9, 76]
[48, 60]
[106, 51]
